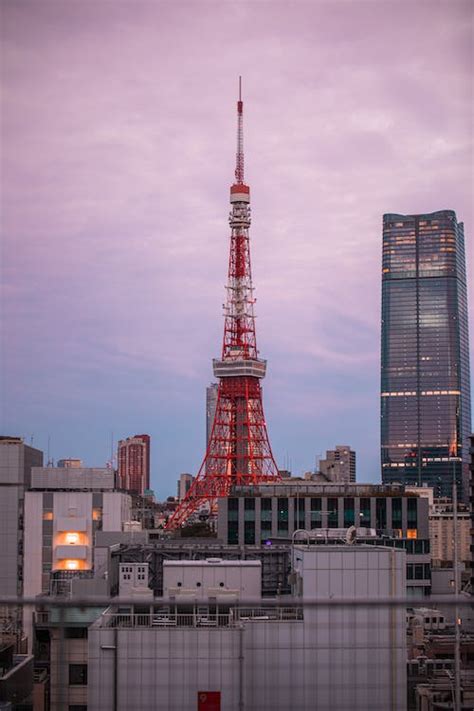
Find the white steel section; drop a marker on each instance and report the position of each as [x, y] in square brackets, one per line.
[239, 197]
[239, 367]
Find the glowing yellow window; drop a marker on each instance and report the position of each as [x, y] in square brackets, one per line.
[72, 538]
[412, 533]
[47, 516]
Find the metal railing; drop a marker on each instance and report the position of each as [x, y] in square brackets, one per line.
[347, 624]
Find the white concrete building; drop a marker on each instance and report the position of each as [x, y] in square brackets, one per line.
[16, 462]
[212, 578]
[133, 580]
[60, 525]
[264, 658]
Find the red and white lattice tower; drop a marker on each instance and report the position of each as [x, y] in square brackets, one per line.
[239, 451]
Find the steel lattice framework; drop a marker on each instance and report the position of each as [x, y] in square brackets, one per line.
[238, 451]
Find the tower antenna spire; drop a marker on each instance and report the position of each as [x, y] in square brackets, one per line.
[239, 165]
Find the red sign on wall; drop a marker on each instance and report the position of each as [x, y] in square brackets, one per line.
[209, 701]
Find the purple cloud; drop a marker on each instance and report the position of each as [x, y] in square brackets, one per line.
[118, 151]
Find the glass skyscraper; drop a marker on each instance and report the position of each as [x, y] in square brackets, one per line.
[425, 390]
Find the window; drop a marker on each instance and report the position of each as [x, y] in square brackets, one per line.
[232, 532]
[75, 632]
[316, 513]
[299, 513]
[381, 513]
[233, 509]
[78, 674]
[333, 513]
[266, 516]
[282, 517]
[348, 512]
[266, 508]
[419, 571]
[249, 531]
[77, 707]
[364, 513]
[249, 509]
[396, 513]
[412, 511]
[265, 530]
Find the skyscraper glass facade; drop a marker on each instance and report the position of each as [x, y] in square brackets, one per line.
[425, 390]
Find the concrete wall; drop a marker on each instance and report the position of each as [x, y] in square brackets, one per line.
[334, 659]
[16, 460]
[72, 478]
[116, 510]
[64, 653]
[161, 669]
[203, 576]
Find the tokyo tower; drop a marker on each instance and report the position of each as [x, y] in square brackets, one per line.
[239, 451]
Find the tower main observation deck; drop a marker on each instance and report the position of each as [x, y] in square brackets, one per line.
[238, 451]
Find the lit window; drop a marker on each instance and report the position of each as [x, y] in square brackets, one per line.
[72, 538]
[48, 516]
[72, 564]
[412, 533]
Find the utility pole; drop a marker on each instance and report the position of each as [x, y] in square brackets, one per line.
[457, 621]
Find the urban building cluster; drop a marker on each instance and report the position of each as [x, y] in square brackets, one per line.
[252, 588]
[259, 588]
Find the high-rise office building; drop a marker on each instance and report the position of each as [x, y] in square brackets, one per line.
[425, 396]
[184, 485]
[211, 402]
[134, 463]
[339, 465]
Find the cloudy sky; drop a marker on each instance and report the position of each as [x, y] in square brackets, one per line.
[118, 135]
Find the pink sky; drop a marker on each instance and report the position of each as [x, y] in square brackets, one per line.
[118, 143]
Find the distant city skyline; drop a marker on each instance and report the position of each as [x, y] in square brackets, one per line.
[119, 149]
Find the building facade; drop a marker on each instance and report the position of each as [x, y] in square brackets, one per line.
[134, 463]
[61, 520]
[16, 462]
[211, 403]
[262, 658]
[442, 532]
[339, 465]
[272, 513]
[184, 484]
[425, 391]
